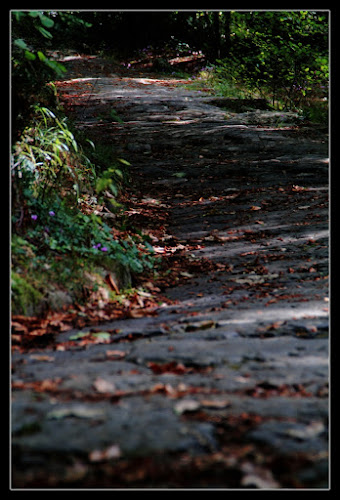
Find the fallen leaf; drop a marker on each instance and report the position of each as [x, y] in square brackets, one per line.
[255, 207]
[186, 275]
[171, 367]
[103, 386]
[253, 279]
[257, 477]
[78, 411]
[102, 335]
[79, 335]
[109, 453]
[115, 354]
[41, 357]
[215, 403]
[159, 249]
[186, 405]
[275, 325]
[19, 328]
[140, 313]
[297, 188]
[306, 432]
[111, 282]
[201, 325]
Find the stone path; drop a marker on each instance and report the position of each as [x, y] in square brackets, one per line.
[227, 387]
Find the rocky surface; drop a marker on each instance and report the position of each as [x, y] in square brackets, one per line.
[228, 386]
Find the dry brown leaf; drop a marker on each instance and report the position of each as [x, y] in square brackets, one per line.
[115, 354]
[41, 357]
[215, 403]
[111, 282]
[19, 328]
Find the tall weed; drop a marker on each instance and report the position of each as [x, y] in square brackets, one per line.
[48, 158]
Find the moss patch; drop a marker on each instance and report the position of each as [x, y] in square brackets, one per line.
[25, 297]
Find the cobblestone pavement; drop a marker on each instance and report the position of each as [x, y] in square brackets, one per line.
[228, 386]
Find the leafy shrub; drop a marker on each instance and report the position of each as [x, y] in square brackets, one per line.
[57, 212]
[47, 156]
[280, 56]
[60, 230]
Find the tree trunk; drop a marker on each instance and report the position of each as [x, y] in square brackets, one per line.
[217, 35]
[227, 39]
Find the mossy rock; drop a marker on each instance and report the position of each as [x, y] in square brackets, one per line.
[25, 298]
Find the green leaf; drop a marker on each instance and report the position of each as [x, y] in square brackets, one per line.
[114, 116]
[79, 335]
[102, 335]
[118, 173]
[113, 189]
[29, 55]
[19, 42]
[18, 15]
[44, 32]
[125, 162]
[57, 67]
[46, 21]
[41, 56]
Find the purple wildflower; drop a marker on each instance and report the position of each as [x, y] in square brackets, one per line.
[51, 213]
[104, 249]
[34, 217]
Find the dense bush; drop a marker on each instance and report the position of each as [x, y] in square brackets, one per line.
[282, 56]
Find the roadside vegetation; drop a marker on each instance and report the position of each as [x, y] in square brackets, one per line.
[277, 56]
[64, 199]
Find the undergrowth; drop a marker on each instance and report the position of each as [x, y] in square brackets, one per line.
[64, 214]
[220, 81]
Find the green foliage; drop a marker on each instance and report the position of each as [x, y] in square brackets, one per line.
[108, 181]
[58, 195]
[59, 243]
[47, 154]
[316, 112]
[33, 33]
[58, 230]
[278, 55]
